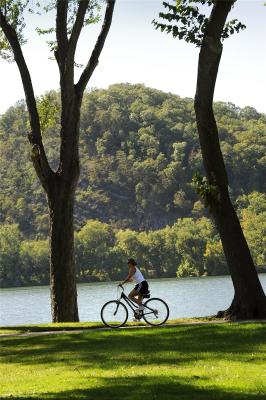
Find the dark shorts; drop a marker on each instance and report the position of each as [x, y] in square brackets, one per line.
[142, 287]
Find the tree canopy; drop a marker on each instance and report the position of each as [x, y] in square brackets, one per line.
[187, 20]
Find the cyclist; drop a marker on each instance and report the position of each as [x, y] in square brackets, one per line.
[141, 289]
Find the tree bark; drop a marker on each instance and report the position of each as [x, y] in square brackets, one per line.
[249, 299]
[62, 261]
[61, 195]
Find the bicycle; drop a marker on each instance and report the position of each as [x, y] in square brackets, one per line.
[114, 313]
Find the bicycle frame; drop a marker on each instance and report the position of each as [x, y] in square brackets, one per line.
[131, 304]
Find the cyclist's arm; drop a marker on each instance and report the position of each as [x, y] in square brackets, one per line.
[130, 274]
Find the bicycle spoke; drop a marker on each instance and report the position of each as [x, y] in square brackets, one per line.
[156, 311]
[114, 314]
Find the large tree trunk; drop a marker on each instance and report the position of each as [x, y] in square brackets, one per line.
[249, 299]
[62, 261]
[61, 195]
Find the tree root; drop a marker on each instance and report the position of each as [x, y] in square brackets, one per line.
[243, 312]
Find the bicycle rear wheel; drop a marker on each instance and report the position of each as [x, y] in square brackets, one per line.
[156, 311]
[114, 314]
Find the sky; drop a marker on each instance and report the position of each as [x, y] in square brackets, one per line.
[136, 53]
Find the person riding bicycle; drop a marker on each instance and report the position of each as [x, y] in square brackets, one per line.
[141, 289]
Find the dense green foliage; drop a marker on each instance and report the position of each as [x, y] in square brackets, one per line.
[190, 247]
[139, 152]
[191, 362]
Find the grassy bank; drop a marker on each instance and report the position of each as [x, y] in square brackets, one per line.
[71, 326]
[186, 362]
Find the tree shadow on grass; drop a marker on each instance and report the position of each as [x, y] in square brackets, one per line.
[110, 350]
[116, 348]
[152, 388]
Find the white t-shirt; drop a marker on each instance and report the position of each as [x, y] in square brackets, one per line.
[138, 277]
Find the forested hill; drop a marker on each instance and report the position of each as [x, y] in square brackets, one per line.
[139, 149]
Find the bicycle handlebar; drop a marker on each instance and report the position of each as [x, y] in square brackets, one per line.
[121, 286]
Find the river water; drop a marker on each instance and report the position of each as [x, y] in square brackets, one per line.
[187, 297]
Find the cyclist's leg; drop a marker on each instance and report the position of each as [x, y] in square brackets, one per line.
[140, 298]
[144, 289]
[136, 297]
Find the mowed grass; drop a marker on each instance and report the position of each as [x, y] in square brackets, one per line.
[215, 361]
[71, 326]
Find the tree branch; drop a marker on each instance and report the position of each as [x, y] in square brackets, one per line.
[208, 65]
[217, 19]
[61, 34]
[40, 161]
[83, 6]
[94, 59]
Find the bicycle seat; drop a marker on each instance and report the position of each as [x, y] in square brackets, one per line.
[147, 295]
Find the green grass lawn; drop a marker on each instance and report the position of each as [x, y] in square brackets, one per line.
[216, 361]
[69, 326]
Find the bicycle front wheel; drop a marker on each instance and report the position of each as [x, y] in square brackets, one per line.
[156, 312]
[114, 314]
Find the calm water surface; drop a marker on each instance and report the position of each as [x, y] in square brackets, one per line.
[188, 297]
